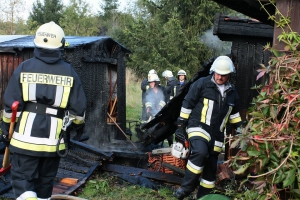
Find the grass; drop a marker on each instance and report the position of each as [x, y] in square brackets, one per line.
[133, 96]
[105, 186]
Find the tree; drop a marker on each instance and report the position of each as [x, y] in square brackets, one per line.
[10, 16]
[109, 17]
[50, 10]
[166, 34]
[78, 20]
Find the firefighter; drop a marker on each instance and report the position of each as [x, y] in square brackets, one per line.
[46, 88]
[181, 81]
[210, 103]
[154, 97]
[171, 82]
[144, 88]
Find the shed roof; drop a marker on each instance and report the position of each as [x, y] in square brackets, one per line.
[10, 43]
[251, 8]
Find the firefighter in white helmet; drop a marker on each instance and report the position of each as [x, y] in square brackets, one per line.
[154, 97]
[170, 83]
[210, 103]
[181, 81]
[144, 88]
[46, 87]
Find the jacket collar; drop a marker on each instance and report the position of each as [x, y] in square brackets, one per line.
[47, 55]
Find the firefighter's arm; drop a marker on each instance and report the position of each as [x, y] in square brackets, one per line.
[13, 92]
[235, 117]
[148, 106]
[144, 85]
[77, 105]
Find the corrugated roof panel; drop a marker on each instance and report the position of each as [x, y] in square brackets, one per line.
[9, 43]
[4, 38]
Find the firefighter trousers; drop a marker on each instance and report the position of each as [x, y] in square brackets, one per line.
[33, 177]
[200, 162]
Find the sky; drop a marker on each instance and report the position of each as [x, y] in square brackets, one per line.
[94, 4]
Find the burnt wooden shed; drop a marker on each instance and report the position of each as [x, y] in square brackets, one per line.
[248, 39]
[99, 62]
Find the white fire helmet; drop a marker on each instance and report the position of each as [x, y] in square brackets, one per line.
[167, 73]
[152, 78]
[152, 71]
[181, 73]
[49, 36]
[222, 65]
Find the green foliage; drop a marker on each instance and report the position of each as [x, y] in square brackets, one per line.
[50, 10]
[11, 22]
[77, 19]
[271, 135]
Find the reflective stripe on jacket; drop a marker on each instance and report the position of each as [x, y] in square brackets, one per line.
[208, 111]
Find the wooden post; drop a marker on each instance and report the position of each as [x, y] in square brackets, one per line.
[288, 8]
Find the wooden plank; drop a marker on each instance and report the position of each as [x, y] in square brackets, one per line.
[170, 178]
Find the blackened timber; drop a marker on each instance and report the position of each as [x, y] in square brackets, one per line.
[233, 29]
[99, 60]
[251, 8]
[93, 150]
[170, 178]
[82, 181]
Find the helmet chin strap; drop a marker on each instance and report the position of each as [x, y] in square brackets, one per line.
[63, 42]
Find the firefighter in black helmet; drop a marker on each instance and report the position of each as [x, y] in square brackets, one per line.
[46, 87]
[210, 103]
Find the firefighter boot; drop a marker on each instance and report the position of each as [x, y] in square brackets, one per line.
[180, 194]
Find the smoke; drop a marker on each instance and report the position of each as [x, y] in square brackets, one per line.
[154, 98]
[218, 46]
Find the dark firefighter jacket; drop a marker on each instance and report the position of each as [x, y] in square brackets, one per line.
[47, 80]
[208, 112]
[171, 82]
[177, 88]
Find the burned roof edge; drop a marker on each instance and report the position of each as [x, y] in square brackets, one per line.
[13, 43]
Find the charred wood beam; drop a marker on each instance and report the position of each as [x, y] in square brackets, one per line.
[107, 156]
[138, 180]
[82, 181]
[99, 60]
[251, 8]
[233, 29]
[170, 178]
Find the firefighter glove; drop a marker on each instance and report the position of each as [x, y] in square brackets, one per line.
[180, 135]
[79, 128]
[181, 122]
[5, 140]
